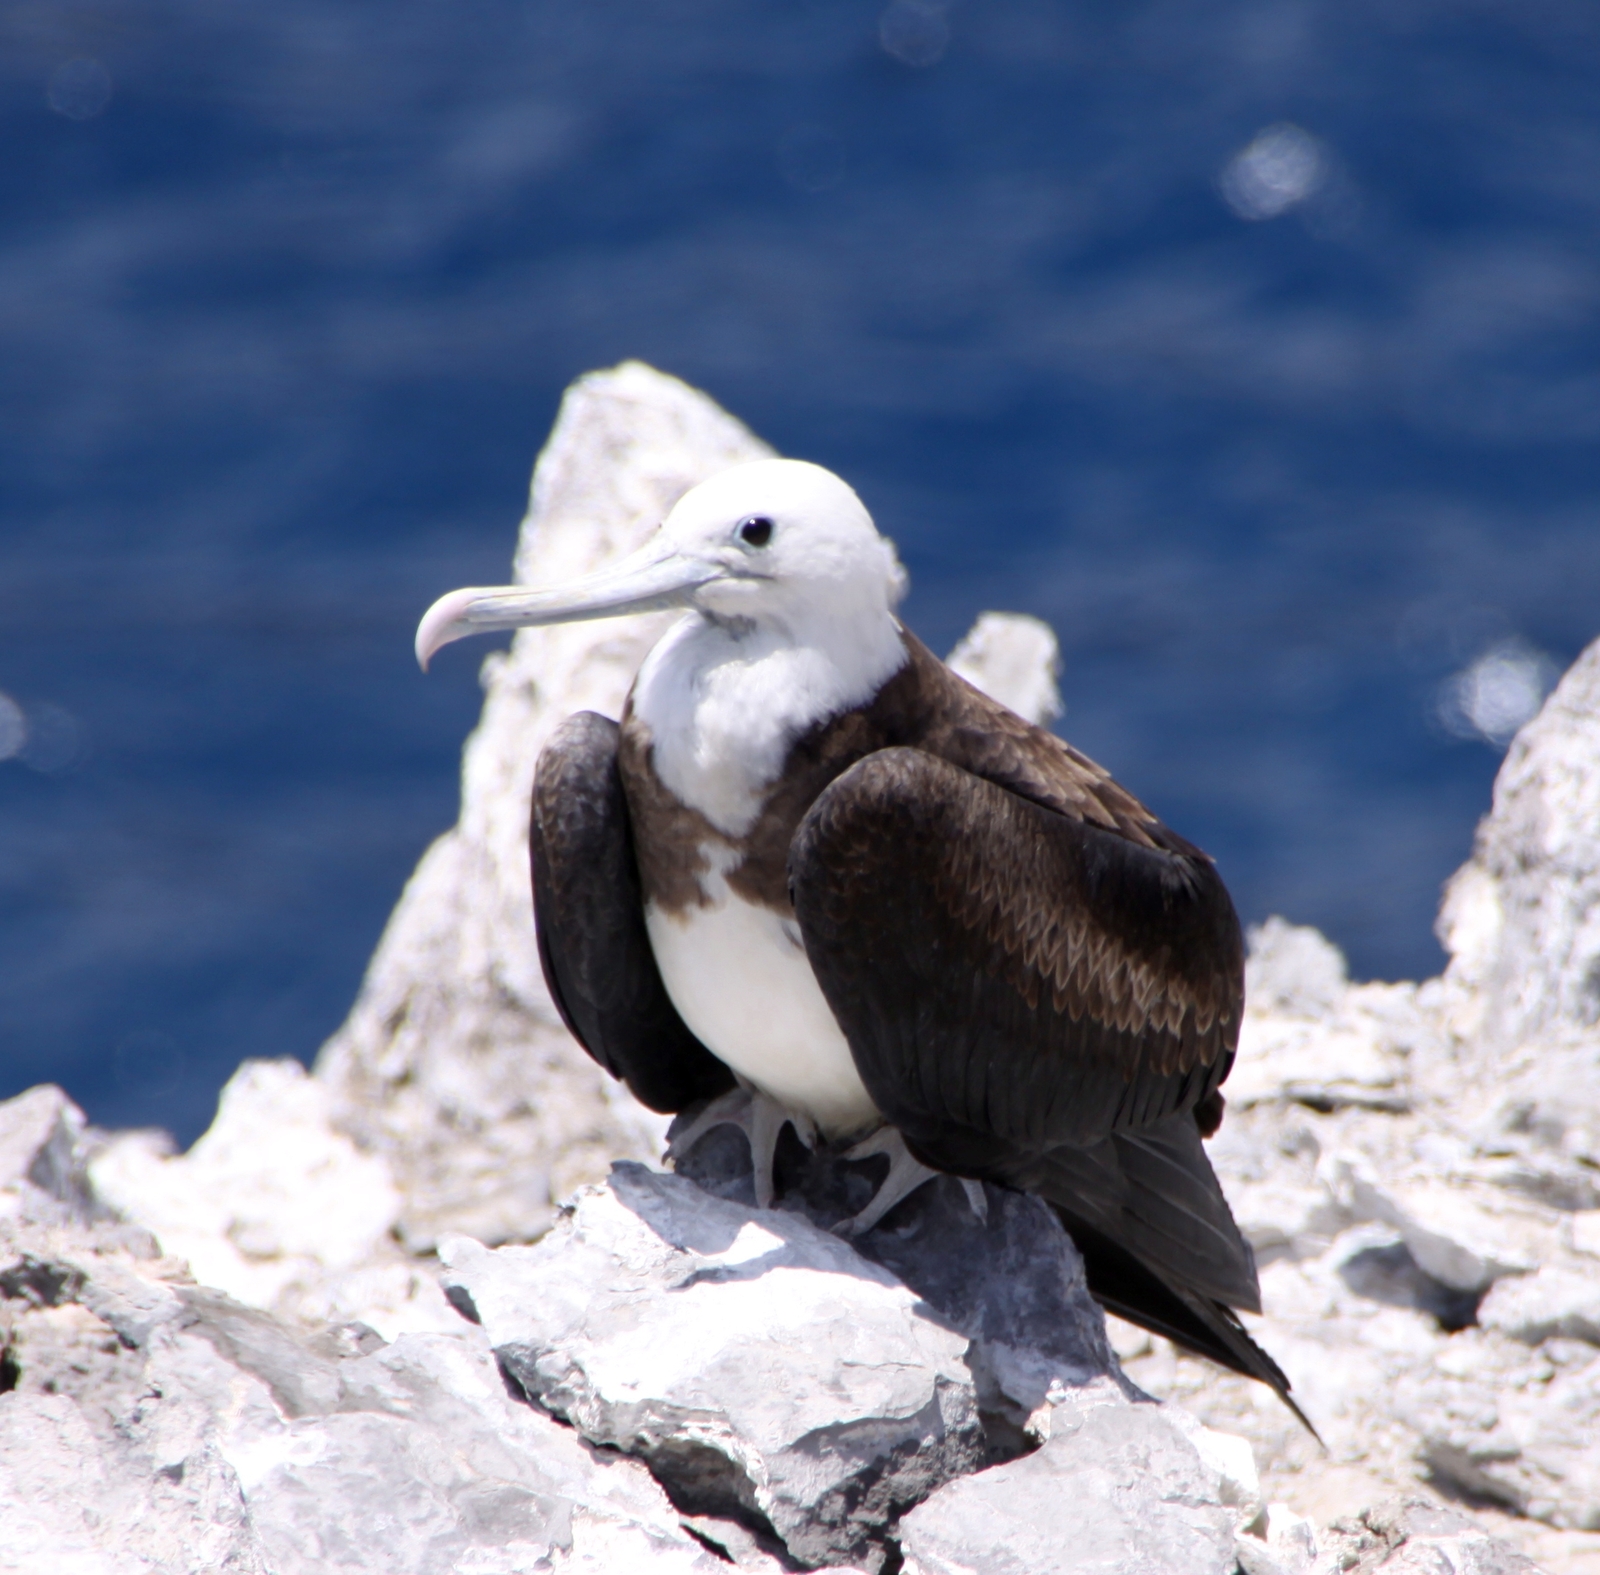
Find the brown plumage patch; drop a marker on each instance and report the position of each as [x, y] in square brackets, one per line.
[1003, 871]
[1132, 952]
[669, 837]
[926, 706]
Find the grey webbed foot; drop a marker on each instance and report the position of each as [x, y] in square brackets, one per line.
[761, 1119]
[906, 1174]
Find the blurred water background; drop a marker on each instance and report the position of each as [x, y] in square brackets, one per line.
[1252, 343]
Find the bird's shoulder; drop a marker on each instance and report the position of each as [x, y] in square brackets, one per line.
[952, 719]
[923, 706]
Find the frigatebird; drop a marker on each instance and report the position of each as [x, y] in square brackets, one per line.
[813, 876]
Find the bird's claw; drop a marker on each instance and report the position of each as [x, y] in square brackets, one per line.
[760, 1119]
[906, 1174]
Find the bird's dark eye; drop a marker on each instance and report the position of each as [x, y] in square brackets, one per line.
[756, 532]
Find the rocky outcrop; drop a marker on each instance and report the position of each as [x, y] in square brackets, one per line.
[1410, 1535]
[765, 1374]
[1521, 918]
[738, 1386]
[1114, 1487]
[396, 1316]
[271, 1204]
[156, 1427]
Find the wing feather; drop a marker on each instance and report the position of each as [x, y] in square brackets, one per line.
[1001, 965]
[1042, 986]
[589, 911]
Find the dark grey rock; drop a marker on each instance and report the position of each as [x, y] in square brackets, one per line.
[1012, 1282]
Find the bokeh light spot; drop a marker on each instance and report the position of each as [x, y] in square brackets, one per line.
[55, 740]
[1496, 693]
[13, 728]
[1277, 171]
[80, 89]
[915, 32]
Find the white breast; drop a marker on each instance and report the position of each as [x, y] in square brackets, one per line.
[724, 703]
[739, 977]
[724, 706]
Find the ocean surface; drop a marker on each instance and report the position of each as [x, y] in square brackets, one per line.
[1252, 343]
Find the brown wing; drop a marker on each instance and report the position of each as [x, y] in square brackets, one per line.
[1011, 977]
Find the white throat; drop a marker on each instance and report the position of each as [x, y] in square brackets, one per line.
[724, 700]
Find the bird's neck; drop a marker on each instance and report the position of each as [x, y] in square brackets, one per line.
[723, 703]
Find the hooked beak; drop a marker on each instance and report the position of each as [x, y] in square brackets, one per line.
[656, 577]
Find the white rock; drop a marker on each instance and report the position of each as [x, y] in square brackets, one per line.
[222, 1439]
[1314, 1064]
[1585, 1229]
[757, 1362]
[1514, 1427]
[1293, 970]
[1310, 1037]
[1522, 918]
[1013, 659]
[1280, 1219]
[1553, 1302]
[1231, 1458]
[269, 1195]
[1116, 1490]
[426, 1461]
[44, 1147]
[1280, 1543]
[1415, 1536]
[765, 1370]
[68, 1504]
[1466, 1236]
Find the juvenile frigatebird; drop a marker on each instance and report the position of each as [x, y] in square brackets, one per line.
[813, 876]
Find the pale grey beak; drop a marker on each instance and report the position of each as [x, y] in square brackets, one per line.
[654, 578]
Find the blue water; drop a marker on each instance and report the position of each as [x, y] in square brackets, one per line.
[1280, 429]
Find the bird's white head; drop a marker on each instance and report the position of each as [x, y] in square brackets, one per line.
[777, 544]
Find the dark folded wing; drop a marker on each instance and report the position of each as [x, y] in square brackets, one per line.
[1159, 1243]
[1124, 1283]
[1049, 1004]
[589, 910]
[1154, 1190]
[1006, 973]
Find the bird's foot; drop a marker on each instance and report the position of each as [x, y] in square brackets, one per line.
[761, 1119]
[729, 1109]
[906, 1174]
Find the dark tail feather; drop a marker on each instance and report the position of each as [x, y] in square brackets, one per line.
[1133, 1290]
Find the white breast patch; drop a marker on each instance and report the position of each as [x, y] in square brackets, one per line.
[739, 977]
